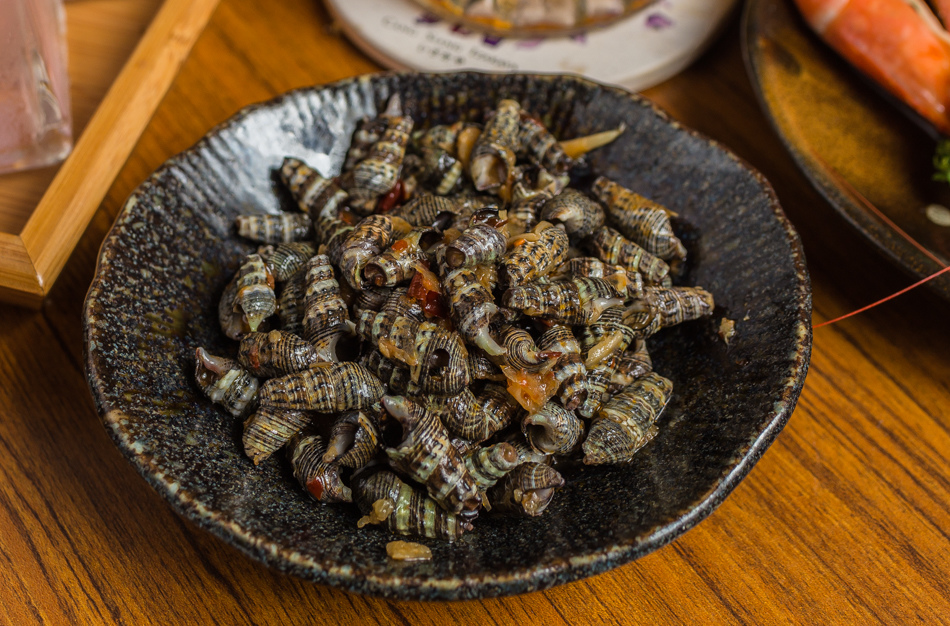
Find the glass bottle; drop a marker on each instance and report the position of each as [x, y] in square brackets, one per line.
[35, 120]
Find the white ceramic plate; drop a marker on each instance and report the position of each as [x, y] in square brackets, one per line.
[636, 53]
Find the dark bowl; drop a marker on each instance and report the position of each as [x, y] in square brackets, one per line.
[172, 249]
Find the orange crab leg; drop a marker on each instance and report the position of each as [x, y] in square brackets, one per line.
[898, 43]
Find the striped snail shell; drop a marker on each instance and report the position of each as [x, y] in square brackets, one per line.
[526, 491]
[427, 455]
[532, 258]
[325, 387]
[634, 363]
[628, 421]
[268, 429]
[285, 259]
[355, 439]
[641, 220]
[290, 303]
[255, 296]
[576, 301]
[283, 227]
[275, 353]
[489, 464]
[611, 247]
[553, 429]
[569, 369]
[225, 382]
[320, 479]
[579, 214]
[414, 514]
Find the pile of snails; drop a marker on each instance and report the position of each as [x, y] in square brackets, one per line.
[439, 324]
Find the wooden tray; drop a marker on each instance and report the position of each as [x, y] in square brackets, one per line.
[43, 213]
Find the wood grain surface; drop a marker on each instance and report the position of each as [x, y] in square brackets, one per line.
[844, 520]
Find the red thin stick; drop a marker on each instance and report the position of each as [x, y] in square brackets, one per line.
[870, 206]
[883, 300]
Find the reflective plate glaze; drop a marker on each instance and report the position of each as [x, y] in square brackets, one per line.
[167, 259]
[849, 138]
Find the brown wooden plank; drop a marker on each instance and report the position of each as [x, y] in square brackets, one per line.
[844, 520]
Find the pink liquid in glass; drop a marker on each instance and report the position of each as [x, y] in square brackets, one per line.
[35, 121]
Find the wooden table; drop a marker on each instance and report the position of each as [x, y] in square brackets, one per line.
[846, 517]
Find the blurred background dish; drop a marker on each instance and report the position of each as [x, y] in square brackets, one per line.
[526, 18]
[638, 52]
[861, 149]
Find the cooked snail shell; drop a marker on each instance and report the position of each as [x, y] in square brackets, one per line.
[500, 407]
[232, 321]
[463, 416]
[521, 352]
[368, 131]
[473, 307]
[427, 455]
[320, 479]
[579, 214]
[291, 303]
[480, 244]
[318, 197]
[607, 336]
[371, 299]
[414, 514]
[255, 296]
[553, 429]
[225, 382]
[436, 358]
[628, 421]
[641, 220]
[667, 306]
[530, 259]
[598, 384]
[285, 259]
[574, 302]
[280, 228]
[635, 363]
[526, 490]
[325, 387]
[493, 157]
[569, 369]
[379, 171]
[482, 367]
[398, 262]
[393, 374]
[541, 146]
[355, 439]
[611, 247]
[628, 283]
[275, 353]
[268, 429]
[489, 464]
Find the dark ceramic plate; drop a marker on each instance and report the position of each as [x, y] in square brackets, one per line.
[848, 137]
[164, 265]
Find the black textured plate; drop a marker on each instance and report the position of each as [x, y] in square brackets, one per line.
[164, 265]
[856, 144]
